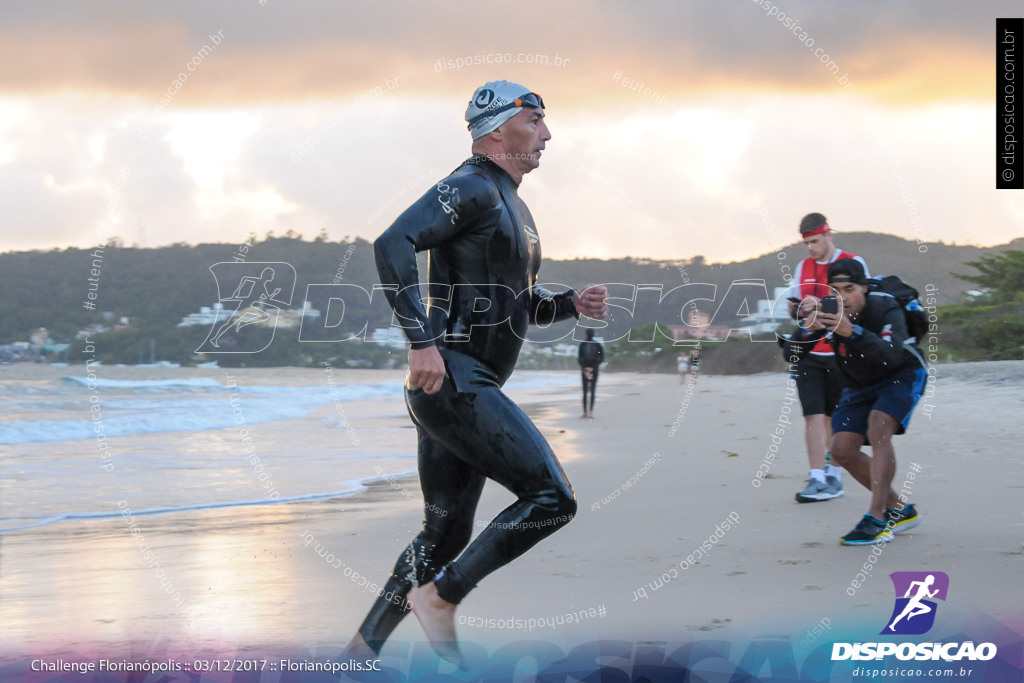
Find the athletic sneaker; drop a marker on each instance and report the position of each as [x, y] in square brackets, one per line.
[817, 491]
[835, 486]
[869, 530]
[900, 521]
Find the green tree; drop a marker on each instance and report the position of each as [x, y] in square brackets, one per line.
[990, 327]
[1002, 274]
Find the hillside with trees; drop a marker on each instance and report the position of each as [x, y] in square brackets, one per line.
[154, 288]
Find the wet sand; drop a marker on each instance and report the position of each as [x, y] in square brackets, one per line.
[673, 540]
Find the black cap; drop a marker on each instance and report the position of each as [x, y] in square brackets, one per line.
[847, 270]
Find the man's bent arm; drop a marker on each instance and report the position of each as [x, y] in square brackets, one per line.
[437, 216]
[547, 307]
[872, 345]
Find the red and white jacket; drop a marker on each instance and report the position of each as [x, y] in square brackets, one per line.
[812, 277]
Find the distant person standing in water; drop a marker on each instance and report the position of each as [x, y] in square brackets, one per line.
[590, 357]
[683, 366]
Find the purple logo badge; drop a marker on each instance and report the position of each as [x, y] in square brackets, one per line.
[914, 612]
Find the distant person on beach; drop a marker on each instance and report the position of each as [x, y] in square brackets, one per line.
[884, 376]
[817, 378]
[683, 366]
[695, 364]
[590, 357]
[483, 249]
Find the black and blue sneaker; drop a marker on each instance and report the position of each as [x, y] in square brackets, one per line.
[902, 520]
[869, 530]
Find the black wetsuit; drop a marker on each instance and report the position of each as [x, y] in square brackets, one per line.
[590, 355]
[483, 248]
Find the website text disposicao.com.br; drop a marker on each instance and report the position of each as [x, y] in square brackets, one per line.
[459, 63]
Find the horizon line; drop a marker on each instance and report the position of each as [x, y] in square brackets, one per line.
[298, 237]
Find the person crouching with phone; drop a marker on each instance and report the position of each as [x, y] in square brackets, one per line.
[884, 375]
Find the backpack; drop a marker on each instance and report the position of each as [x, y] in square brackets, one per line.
[907, 297]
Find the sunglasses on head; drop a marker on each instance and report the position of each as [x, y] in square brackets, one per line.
[530, 99]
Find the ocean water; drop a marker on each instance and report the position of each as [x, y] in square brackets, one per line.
[79, 443]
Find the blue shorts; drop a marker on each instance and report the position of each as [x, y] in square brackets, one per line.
[895, 397]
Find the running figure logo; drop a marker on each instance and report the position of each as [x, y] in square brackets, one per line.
[258, 292]
[914, 612]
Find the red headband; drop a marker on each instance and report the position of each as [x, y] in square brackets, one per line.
[820, 231]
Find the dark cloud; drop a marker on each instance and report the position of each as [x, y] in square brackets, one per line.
[320, 48]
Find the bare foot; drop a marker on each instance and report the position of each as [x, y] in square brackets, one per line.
[584, 415]
[437, 617]
[358, 649]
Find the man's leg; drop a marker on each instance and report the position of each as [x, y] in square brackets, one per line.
[846, 452]
[812, 379]
[583, 378]
[881, 429]
[828, 442]
[897, 397]
[866, 413]
[593, 391]
[818, 486]
[833, 392]
[451, 489]
[871, 528]
[816, 436]
[489, 432]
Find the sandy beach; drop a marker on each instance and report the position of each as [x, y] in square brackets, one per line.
[677, 540]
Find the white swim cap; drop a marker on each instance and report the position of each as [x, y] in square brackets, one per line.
[496, 102]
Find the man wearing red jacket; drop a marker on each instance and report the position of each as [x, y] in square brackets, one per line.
[817, 377]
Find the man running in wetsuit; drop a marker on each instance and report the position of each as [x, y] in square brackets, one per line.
[481, 296]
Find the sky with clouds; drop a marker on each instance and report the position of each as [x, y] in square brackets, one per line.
[193, 121]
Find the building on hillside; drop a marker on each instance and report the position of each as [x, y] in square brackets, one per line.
[769, 314]
[293, 318]
[90, 331]
[698, 326]
[391, 337]
[206, 316]
[211, 315]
